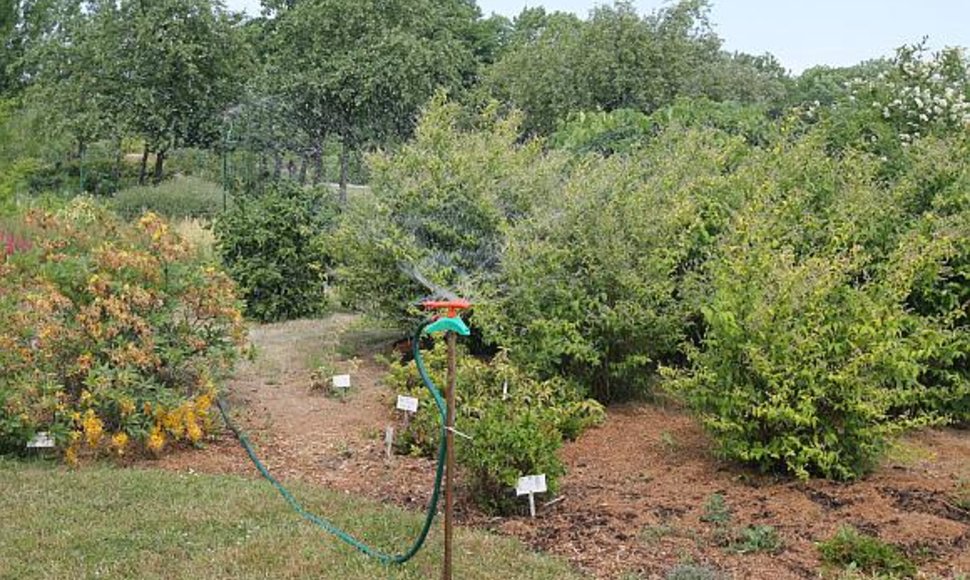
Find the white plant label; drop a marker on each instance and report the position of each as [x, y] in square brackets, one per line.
[406, 403]
[41, 440]
[505, 389]
[531, 484]
[341, 381]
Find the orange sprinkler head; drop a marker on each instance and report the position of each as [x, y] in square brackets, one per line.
[452, 306]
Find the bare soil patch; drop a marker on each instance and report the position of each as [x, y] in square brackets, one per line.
[635, 493]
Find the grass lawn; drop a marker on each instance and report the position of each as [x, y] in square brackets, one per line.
[123, 523]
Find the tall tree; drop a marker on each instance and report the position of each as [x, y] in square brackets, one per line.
[361, 69]
[183, 65]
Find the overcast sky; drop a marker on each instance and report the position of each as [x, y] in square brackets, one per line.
[801, 33]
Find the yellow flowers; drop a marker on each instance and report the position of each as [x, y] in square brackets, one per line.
[156, 440]
[105, 341]
[126, 406]
[119, 441]
[93, 428]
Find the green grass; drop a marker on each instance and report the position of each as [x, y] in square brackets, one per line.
[178, 197]
[126, 523]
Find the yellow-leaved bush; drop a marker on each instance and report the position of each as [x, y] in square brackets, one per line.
[111, 334]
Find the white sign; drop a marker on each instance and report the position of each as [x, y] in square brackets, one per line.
[406, 403]
[531, 484]
[341, 381]
[41, 440]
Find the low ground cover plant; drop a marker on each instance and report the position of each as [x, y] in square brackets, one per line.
[850, 549]
[112, 334]
[516, 423]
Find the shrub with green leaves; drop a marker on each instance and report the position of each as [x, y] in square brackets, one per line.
[179, 197]
[275, 246]
[440, 208]
[491, 396]
[506, 444]
[813, 353]
[849, 548]
[593, 286]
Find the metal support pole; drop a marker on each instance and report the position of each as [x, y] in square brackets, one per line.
[450, 455]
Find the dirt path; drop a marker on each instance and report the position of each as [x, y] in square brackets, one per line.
[306, 434]
[635, 493]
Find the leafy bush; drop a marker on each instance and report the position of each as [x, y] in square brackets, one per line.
[812, 353]
[110, 334]
[870, 555]
[274, 246]
[179, 197]
[592, 290]
[440, 209]
[506, 444]
[536, 414]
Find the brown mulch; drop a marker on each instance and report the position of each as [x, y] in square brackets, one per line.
[635, 490]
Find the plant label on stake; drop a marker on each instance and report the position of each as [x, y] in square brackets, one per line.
[42, 440]
[531, 485]
[407, 404]
[341, 381]
[505, 390]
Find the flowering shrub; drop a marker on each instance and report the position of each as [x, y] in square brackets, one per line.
[111, 335]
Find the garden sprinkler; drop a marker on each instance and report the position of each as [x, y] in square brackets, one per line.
[452, 325]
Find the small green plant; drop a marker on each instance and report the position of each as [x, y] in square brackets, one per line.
[757, 539]
[655, 533]
[961, 498]
[716, 510]
[849, 548]
[505, 445]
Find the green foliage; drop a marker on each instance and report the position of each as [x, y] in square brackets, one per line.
[693, 572]
[591, 290]
[557, 65]
[440, 209]
[752, 539]
[179, 197]
[506, 444]
[516, 422]
[849, 548]
[716, 510]
[625, 130]
[812, 352]
[275, 246]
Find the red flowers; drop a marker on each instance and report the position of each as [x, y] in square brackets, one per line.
[10, 243]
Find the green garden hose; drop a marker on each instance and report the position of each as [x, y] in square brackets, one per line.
[328, 526]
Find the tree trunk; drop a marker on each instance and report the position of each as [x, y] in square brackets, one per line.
[116, 170]
[159, 161]
[303, 164]
[144, 167]
[344, 162]
[318, 164]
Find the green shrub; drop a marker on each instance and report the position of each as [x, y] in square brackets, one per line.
[110, 334]
[179, 197]
[275, 247]
[506, 444]
[592, 289]
[870, 555]
[812, 354]
[440, 208]
[546, 411]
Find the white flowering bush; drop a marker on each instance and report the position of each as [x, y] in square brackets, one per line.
[920, 94]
